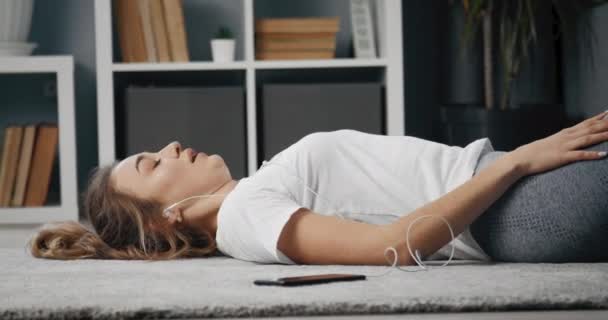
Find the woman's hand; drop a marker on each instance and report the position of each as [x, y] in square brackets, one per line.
[561, 148]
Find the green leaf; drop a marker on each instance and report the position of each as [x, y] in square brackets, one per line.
[223, 33]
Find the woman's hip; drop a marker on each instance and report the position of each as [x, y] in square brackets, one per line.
[554, 216]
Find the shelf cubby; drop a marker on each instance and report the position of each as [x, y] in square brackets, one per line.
[41, 89]
[313, 8]
[202, 19]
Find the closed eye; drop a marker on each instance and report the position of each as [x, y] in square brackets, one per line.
[156, 163]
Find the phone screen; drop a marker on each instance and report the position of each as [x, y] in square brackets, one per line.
[318, 277]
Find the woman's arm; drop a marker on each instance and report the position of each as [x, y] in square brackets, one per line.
[460, 207]
[311, 238]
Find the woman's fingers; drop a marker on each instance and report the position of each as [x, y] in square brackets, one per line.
[587, 140]
[599, 116]
[584, 155]
[588, 127]
[594, 118]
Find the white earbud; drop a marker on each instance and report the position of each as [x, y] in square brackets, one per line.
[167, 211]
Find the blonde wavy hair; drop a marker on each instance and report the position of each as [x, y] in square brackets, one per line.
[125, 227]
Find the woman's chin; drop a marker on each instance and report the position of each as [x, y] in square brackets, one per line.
[216, 157]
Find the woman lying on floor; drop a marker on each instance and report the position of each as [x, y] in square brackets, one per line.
[343, 197]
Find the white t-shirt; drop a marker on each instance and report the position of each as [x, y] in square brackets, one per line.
[361, 176]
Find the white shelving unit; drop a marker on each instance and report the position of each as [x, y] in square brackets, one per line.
[390, 61]
[63, 67]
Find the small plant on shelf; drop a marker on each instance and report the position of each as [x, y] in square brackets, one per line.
[222, 45]
[224, 33]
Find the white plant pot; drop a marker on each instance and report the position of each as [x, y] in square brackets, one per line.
[15, 20]
[222, 50]
[15, 24]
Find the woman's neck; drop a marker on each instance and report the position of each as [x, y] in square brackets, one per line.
[202, 214]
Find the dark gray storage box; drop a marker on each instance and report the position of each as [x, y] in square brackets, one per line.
[208, 119]
[291, 111]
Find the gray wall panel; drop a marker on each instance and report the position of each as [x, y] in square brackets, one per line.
[290, 111]
[211, 120]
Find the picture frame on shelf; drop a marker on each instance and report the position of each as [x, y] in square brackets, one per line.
[364, 42]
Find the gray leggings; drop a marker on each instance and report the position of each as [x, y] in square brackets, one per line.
[560, 215]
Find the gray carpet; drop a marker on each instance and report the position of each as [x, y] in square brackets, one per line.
[223, 287]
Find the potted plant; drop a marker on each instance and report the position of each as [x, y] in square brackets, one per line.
[15, 26]
[510, 33]
[222, 45]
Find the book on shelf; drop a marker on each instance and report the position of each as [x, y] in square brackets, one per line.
[151, 30]
[29, 156]
[317, 36]
[294, 44]
[146, 25]
[297, 25]
[288, 55]
[160, 31]
[174, 20]
[130, 31]
[13, 135]
[45, 149]
[25, 159]
[296, 38]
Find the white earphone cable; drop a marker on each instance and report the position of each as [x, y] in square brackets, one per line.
[168, 209]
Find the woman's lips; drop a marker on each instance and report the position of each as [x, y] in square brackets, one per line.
[196, 153]
[191, 154]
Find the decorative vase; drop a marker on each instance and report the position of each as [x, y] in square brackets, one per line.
[15, 24]
[222, 50]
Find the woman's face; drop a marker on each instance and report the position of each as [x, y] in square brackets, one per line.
[171, 174]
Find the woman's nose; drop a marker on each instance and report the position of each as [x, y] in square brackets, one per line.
[172, 148]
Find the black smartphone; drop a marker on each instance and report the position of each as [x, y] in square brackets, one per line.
[311, 279]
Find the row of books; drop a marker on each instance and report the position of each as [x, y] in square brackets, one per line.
[28, 155]
[152, 30]
[296, 38]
